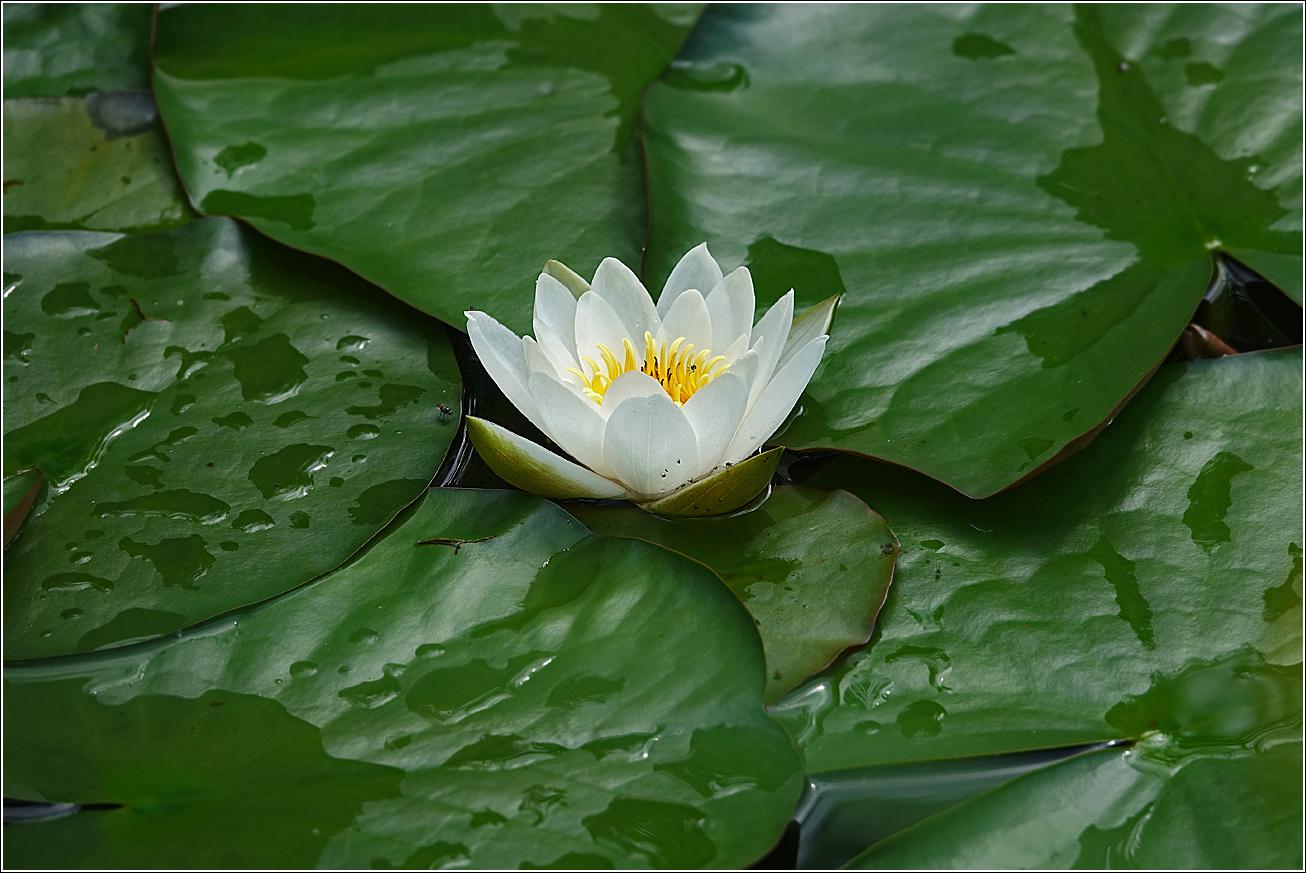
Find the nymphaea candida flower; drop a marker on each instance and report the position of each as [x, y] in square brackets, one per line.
[663, 405]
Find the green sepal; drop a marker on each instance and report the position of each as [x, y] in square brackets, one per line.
[20, 493]
[721, 492]
[532, 468]
[568, 277]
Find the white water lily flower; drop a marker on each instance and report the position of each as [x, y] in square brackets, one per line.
[658, 404]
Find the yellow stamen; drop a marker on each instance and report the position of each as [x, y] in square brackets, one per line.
[678, 368]
[614, 369]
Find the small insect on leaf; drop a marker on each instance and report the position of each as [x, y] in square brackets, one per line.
[444, 410]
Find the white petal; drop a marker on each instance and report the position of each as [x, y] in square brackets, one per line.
[564, 274]
[730, 305]
[807, 327]
[775, 403]
[596, 323]
[615, 283]
[536, 360]
[561, 356]
[542, 468]
[749, 368]
[650, 446]
[633, 384]
[696, 270]
[555, 310]
[688, 318]
[775, 327]
[571, 420]
[747, 365]
[500, 352]
[715, 412]
[735, 349]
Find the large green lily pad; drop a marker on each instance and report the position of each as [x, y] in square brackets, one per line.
[812, 567]
[1233, 78]
[1017, 202]
[97, 163]
[58, 49]
[20, 493]
[218, 420]
[443, 151]
[845, 812]
[487, 686]
[1100, 811]
[1024, 620]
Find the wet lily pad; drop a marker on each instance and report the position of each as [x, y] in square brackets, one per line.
[443, 151]
[20, 492]
[812, 567]
[97, 163]
[1102, 811]
[1027, 620]
[218, 419]
[488, 686]
[58, 49]
[1017, 202]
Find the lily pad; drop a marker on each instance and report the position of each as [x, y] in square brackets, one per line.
[488, 686]
[1019, 202]
[812, 567]
[846, 811]
[1233, 80]
[58, 49]
[20, 492]
[1103, 811]
[443, 151]
[99, 163]
[1025, 620]
[219, 419]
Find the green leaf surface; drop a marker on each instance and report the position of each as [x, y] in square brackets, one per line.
[443, 151]
[219, 420]
[1021, 621]
[58, 49]
[96, 163]
[487, 686]
[1103, 810]
[20, 492]
[1233, 77]
[812, 567]
[1017, 211]
[845, 812]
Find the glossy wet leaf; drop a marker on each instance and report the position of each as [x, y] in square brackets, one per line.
[488, 686]
[1232, 77]
[1021, 621]
[96, 163]
[845, 812]
[1098, 811]
[219, 420]
[444, 151]
[1017, 212]
[20, 492]
[812, 568]
[58, 49]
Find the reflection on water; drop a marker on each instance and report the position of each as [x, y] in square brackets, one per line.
[844, 812]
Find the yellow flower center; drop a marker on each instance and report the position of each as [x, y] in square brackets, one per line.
[676, 367]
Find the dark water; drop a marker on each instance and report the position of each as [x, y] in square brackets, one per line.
[1248, 312]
